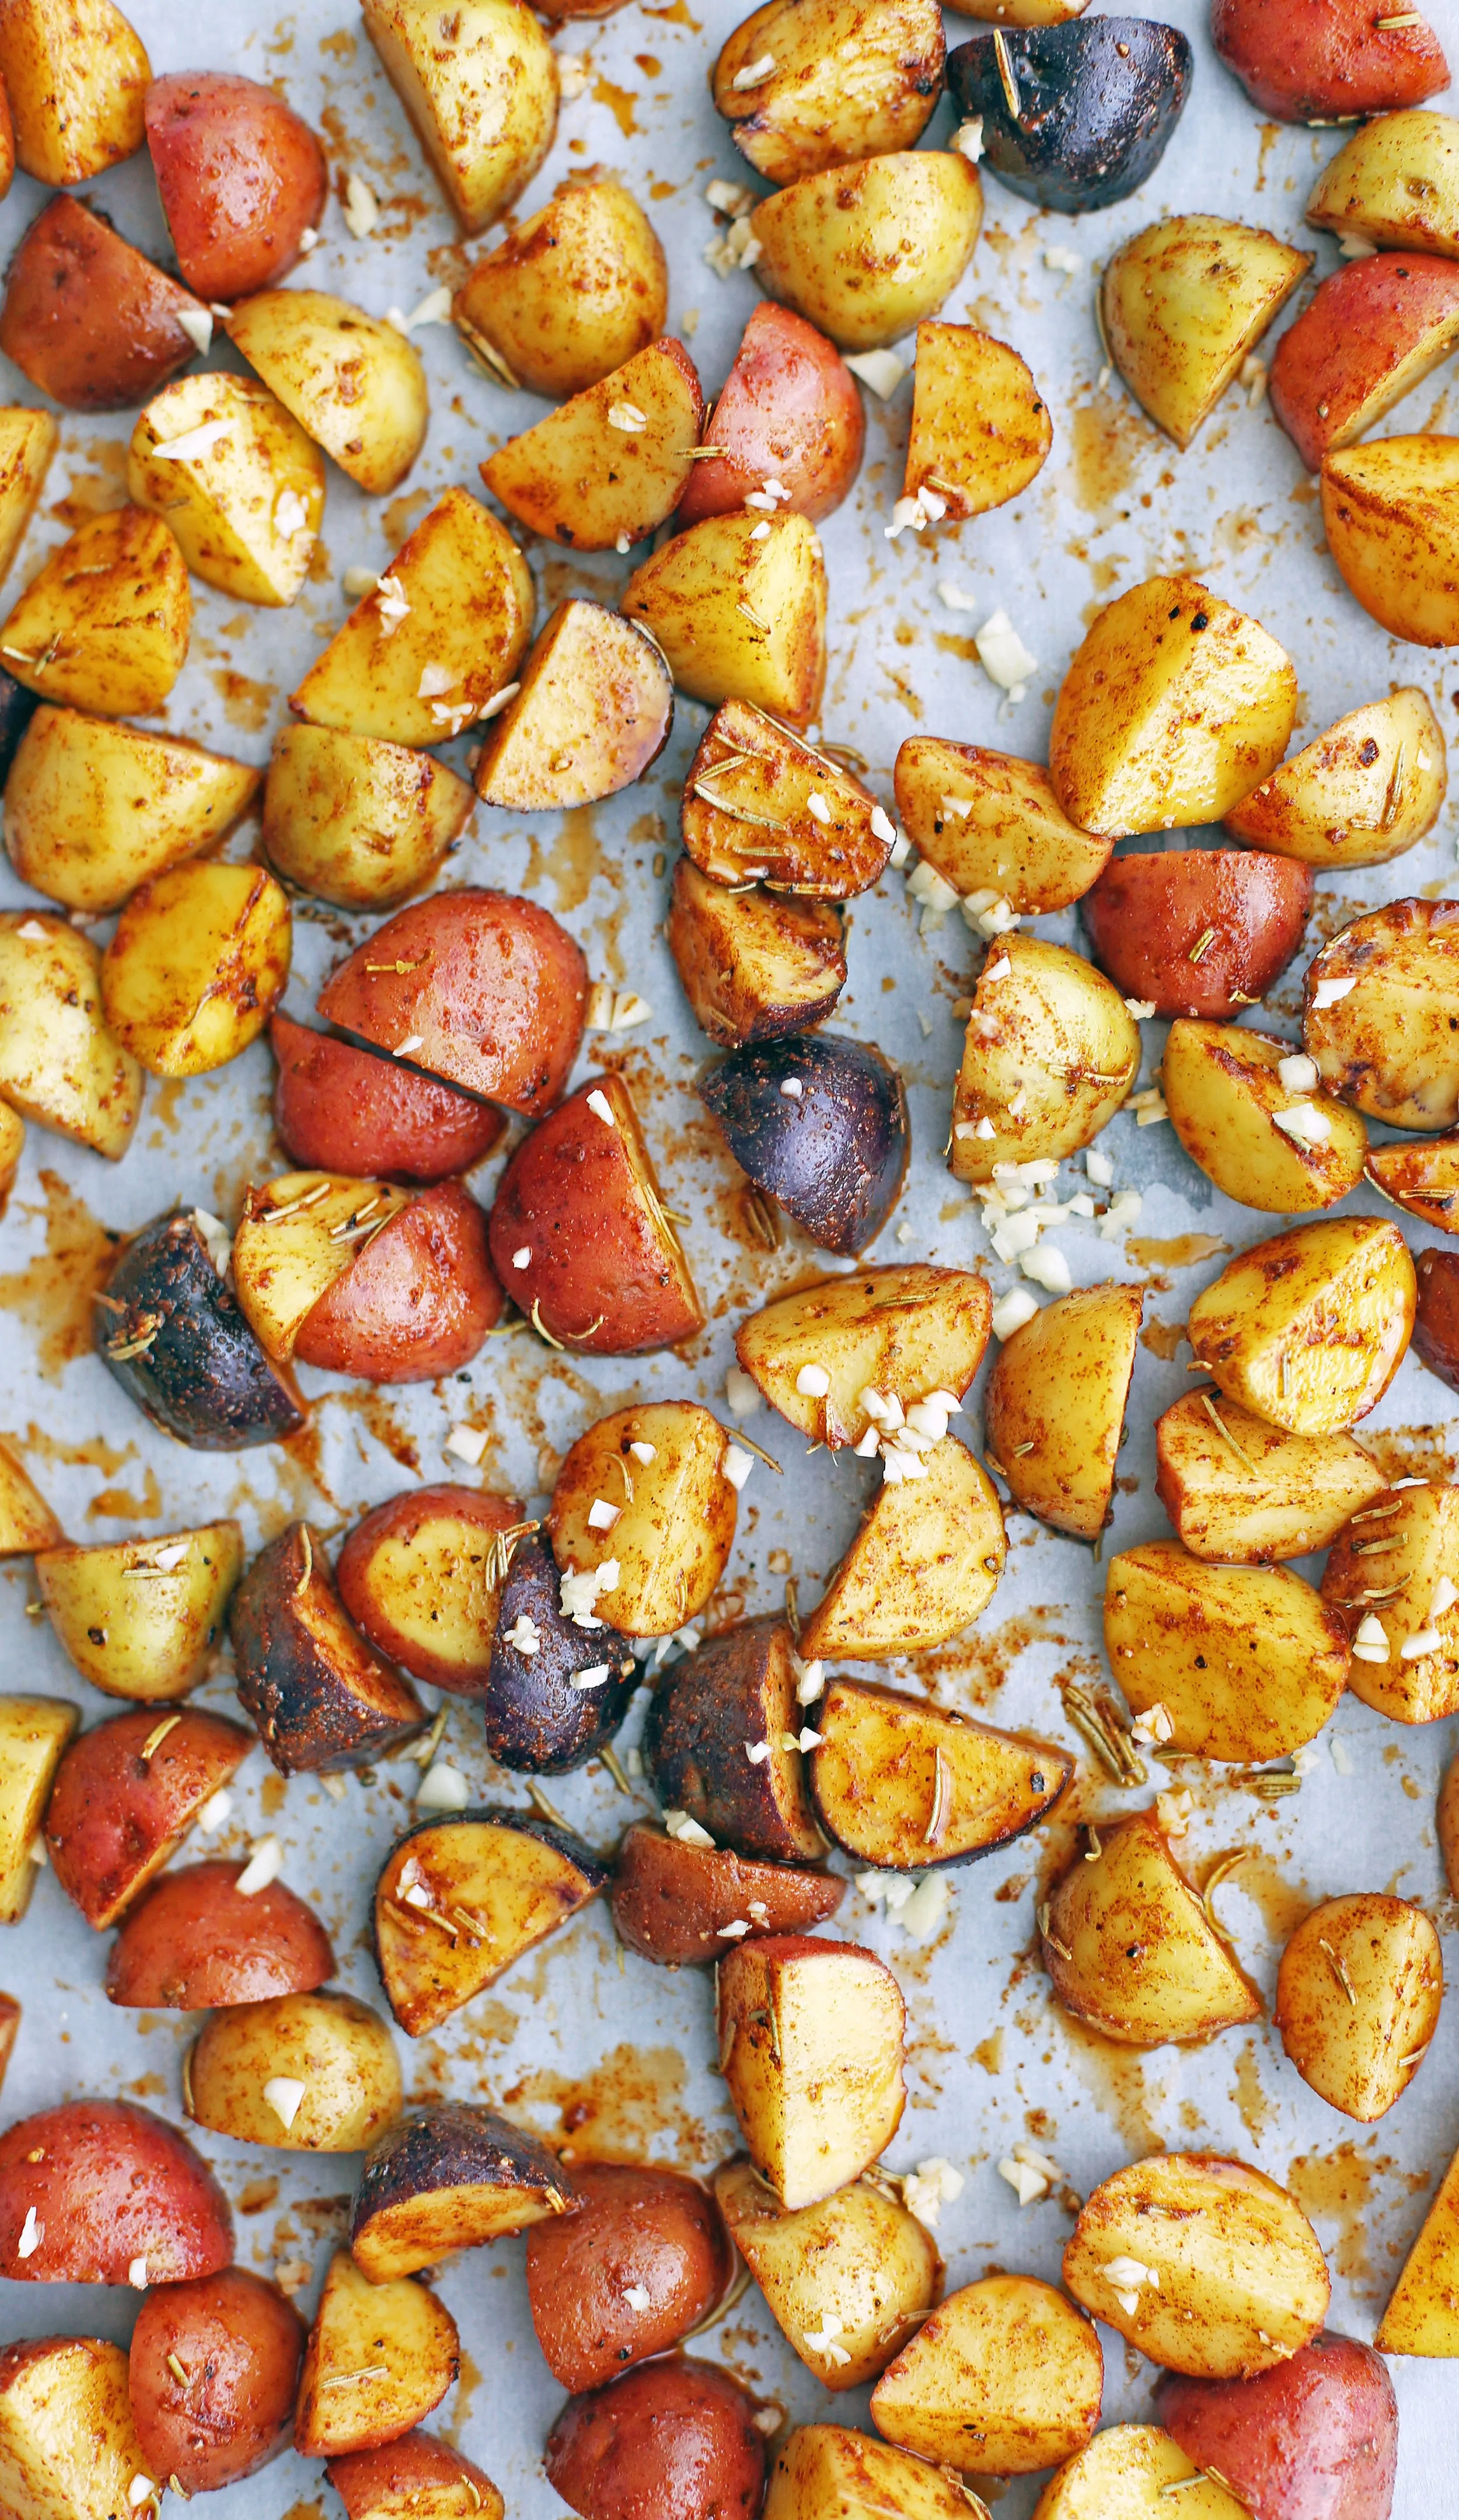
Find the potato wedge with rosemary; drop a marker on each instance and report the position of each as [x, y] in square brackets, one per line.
[782, 81]
[1130, 1948]
[859, 2254]
[1053, 1410]
[379, 2358]
[1243, 1493]
[1184, 304]
[352, 383]
[294, 1237]
[926, 1561]
[105, 622]
[61, 1066]
[992, 826]
[1423, 1179]
[830, 2472]
[980, 428]
[1247, 1661]
[642, 1518]
[1005, 2378]
[237, 481]
[739, 612]
[198, 963]
[1310, 1328]
[1358, 794]
[1378, 1013]
[762, 803]
[1390, 513]
[94, 808]
[1391, 1578]
[606, 469]
[594, 710]
[479, 83]
[140, 1618]
[903, 1785]
[897, 1334]
[77, 77]
[1049, 1056]
[754, 965]
[460, 1899]
[1249, 1111]
[865, 252]
[1358, 1992]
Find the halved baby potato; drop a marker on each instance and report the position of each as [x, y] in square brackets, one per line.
[810, 2048]
[570, 295]
[420, 2474]
[1390, 513]
[789, 413]
[606, 469]
[1053, 1409]
[1395, 182]
[197, 1940]
[640, 2263]
[1241, 1492]
[1423, 1179]
[550, 1699]
[354, 384]
[781, 81]
[1049, 1056]
[1358, 1992]
[320, 1695]
[1375, 329]
[754, 965]
[594, 710]
[1310, 1328]
[860, 2254]
[481, 86]
[125, 1797]
[902, 1785]
[865, 252]
[1131, 1950]
[89, 320]
[90, 2187]
[1183, 304]
[421, 1577]
[926, 1561]
[819, 1123]
[140, 1618]
[680, 1904]
[740, 612]
[734, 1696]
[898, 1332]
[992, 824]
[379, 2358]
[27, 1522]
[94, 808]
[236, 480]
[449, 2176]
[1267, 1143]
[61, 1066]
[358, 822]
[1423, 2311]
[1247, 1661]
[197, 966]
[1378, 1013]
[642, 1518]
[105, 622]
[1198, 931]
[1130, 2469]
[1358, 795]
[459, 1899]
[295, 1237]
[980, 428]
[1388, 1578]
[314, 2072]
[34, 1734]
[1005, 2378]
[762, 803]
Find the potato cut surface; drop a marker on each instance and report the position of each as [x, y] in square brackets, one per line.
[901, 1784]
[1131, 1948]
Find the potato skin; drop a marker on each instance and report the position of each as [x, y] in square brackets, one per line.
[1098, 102]
[573, 294]
[1146, 912]
[1374, 331]
[1358, 1993]
[416, 1302]
[109, 2183]
[201, 1375]
[755, 964]
[319, 1694]
[834, 1156]
[1435, 1325]
[114, 1817]
[1388, 1043]
[788, 411]
[241, 177]
[736, 1688]
[865, 252]
[89, 320]
[1389, 513]
[649, 2227]
[192, 1942]
[59, 1064]
[241, 2344]
[342, 1109]
[535, 1722]
[1317, 2439]
[1363, 790]
[401, 2475]
[1326, 61]
[676, 2435]
[368, 1588]
[669, 1898]
[67, 2443]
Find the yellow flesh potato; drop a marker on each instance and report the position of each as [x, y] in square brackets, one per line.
[197, 966]
[1130, 1948]
[69, 2448]
[139, 1618]
[746, 811]
[77, 75]
[1310, 1328]
[1129, 2472]
[12, 1148]
[594, 709]
[1423, 2312]
[513, 1888]
[1240, 1491]
[609, 465]
[1247, 1661]
[33, 1733]
[811, 2045]
[736, 618]
[865, 252]
[926, 1561]
[397, 2337]
[1378, 1013]
[849, 78]
[479, 83]
[827, 2472]
[673, 1523]
[358, 822]
[354, 384]
[105, 623]
[1226, 1103]
[1049, 1056]
[59, 1065]
[1358, 1992]
[1386, 1569]
[1054, 1413]
[93, 807]
[899, 1332]
[1184, 302]
[27, 441]
[341, 2050]
[295, 1239]
[1004, 2379]
[905, 1785]
[572, 292]
[980, 428]
[1390, 513]
[1397, 182]
[992, 824]
[859, 2254]
[1359, 794]
[237, 481]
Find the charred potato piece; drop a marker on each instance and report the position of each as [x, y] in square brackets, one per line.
[125, 1795]
[27, 441]
[594, 711]
[394, 2343]
[139, 1618]
[481, 93]
[302, 2073]
[1198, 931]
[105, 622]
[865, 252]
[1395, 183]
[642, 1518]
[17, 708]
[1325, 2422]
[677, 2436]
[1185, 304]
[237, 481]
[788, 411]
[1318, 62]
[196, 1940]
[92, 809]
[672, 1899]
[926, 1561]
[575, 292]
[1377, 1010]
[1375, 330]
[450, 2176]
[360, 823]
[902, 1334]
[1388, 1578]
[172, 1331]
[832, 1153]
[1358, 1992]
[736, 1693]
[1241, 2279]
[68, 2445]
[1131, 1951]
[740, 613]
[459, 1899]
[1138, 2465]
[197, 964]
[1247, 1661]
[415, 2475]
[342, 1109]
[1053, 1410]
[554, 1693]
[637, 2231]
[417, 1299]
[1361, 794]
[27, 1522]
[77, 74]
[101, 2192]
[1049, 1056]
[1006, 2376]
[1242, 1492]
[761, 802]
[902, 1785]
[88, 319]
[1075, 116]
[1390, 513]
[60, 1063]
[320, 1697]
[213, 2376]
[754, 965]
[1310, 1328]
[1424, 1180]
[33, 1734]
[781, 82]
[1421, 2317]
[859, 2254]
[241, 179]
[580, 1235]
[810, 2046]
[422, 1576]
[828, 2468]
[1245, 1109]
[607, 467]
[352, 384]
[991, 825]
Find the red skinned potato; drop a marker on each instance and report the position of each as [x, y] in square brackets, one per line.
[640, 2231]
[88, 319]
[422, 1576]
[788, 411]
[125, 1795]
[675, 2436]
[415, 2478]
[416, 1302]
[1317, 2439]
[670, 1899]
[481, 988]
[213, 2376]
[1197, 931]
[195, 1941]
[1373, 332]
[241, 178]
[101, 2192]
[341, 1109]
[1328, 60]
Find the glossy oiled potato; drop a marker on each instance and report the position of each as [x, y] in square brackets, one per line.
[1266, 1143]
[739, 612]
[1326, 60]
[460, 1899]
[1072, 116]
[830, 2473]
[570, 295]
[905, 1332]
[320, 1695]
[353, 383]
[1310, 1328]
[417, 1299]
[1006, 2373]
[61, 1064]
[197, 1940]
[788, 411]
[1421, 2315]
[1386, 1578]
[342, 1109]
[1247, 1661]
[103, 2184]
[672, 1899]
[68, 2447]
[606, 469]
[479, 83]
[1198, 931]
[237, 481]
[105, 622]
[241, 179]
[94, 808]
[1053, 1410]
[810, 2046]
[213, 2374]
[140, 1618]
[819, 1122]
[736, 1688]
[927, 1559]
[658, 1549]
[450, 2175]
[904, 1786]
[380, 2356]
[803, 113]
[1130, 1949]
[990, 823]
[1390, 513]
[1360, 793]
[305, 2073]
[677, 2436]
[860, 2254]
[1322, 2427]
[358, 822]
[75, 73]
[755, 964]
[197, 965]
[1395, 182]
[1358, 1993]
[125, 1795]
[637, 2231]
[414, 2473]
[1049, 1056]
[593, 712]
[1377, 1013]
[422, 1576]
[761, 802]
[980, 430]
[1183, 305]
[1241, 1492]
[865, 252]
[88, 319]
[1375, 330]
[1131, 2469]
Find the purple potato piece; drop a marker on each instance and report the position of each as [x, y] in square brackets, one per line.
[819, 1123]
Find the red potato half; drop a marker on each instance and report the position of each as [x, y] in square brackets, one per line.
[640, 2231]
[242, 178]
[672, 1901]
[1317, 2439]
[213, 2376]
[126, 1794]
[416, 1302]
[195, 1941]
[1197, 931]
[341, 1109]
[1328, 60]
[788, 411]
[88, 319]
[1373, 332]
[675, 2436]
[101, 2192]
[414, 2478]
[481, 988]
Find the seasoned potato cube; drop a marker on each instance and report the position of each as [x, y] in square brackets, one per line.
[740, 617]
[27, 441]
[865, 252]
[1358, 1992]
[980, 428]
[901, 1332]
[459, 1899]
[358, 822]
[1424, 1179]
[450, 2176]
[1241, 1492]
[379, 2358]
[105, 623]
[294, 1237]
[1049, 1056]
[68, 2447]
[302, 2073]
[829, 2472]
[1359, 794]
[736, 1690]
[479, 83]
[759, 801]
[754, 965]
[993, 825]
[1310, 1328]
[1397, 183]
[354, 384]
[926, 1561]
[26, 1522]
[197, 966]
[1054, 1413]
[1388, 1578]
[93, 808]
[903, 1785]
[33, 1733]
[859, 2254]
[77, 75]
[1130, 2469]
[1390, 513]
[59, 1064]
[1184, 302]
[140, 1618]
[573, 294]
[1378, 1002]
[642, 1518]
[1006, 2376]
[594, 709]
[1270, 1143]
[1247, 1661]
[606, 469]
[1131, 1951]
[811, 2045]
[1423, 2311]
[837, 80]
[237, 481]
[1173, 708]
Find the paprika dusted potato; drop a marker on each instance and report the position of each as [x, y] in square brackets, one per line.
[312, 2072]
[94, 808]
[342, 1109]
[101, 2191]
[1130, 1949]
[642, 1518]
[903, 1785]
[213, 2376]
[1361, 792]
[423, 1576]
[197, 1940]
[788, 411]
[105, 622]
[733, 1696]
[140, 1618]
[1323, 61]
[61, 1064]
[755, 964]
[75, 73]
[241, 179]
[554, 1689]
[451, 2176]
[1321, 2429]
[68, 2447]
[391, 2352]
[1004, 2370]
[607, 467]
[677, 1903]
[320, 1695]
[676, 2435]
[459, 1899]
[125, 1795]
[415, 2474]
[1310, 1328]
[639, 2231]
[860, 2256]
[88, 319]
[1198, 931]
[359, 822]
[811, 2046]
[781, 85]
[352, 383]
[170, 1329]
[416, 1300]
[570, 295]
[482, 96]
[865, 252]
[34, 1734]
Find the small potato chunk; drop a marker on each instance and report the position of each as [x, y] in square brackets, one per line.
[573, 293]
[27, 1522]
[788, 412]
[1397, 183]
[1358, 1992]
[671, 1900]
[1049, 1035]
[1131, 1951]
[902, 1785]
[341, 1109]
[740, 617]
[1423, 2311]
[637, 2232]
[1310, 1328]
[1321, 62]
[391, 2348]
[899, 1333]
[450, 2176]
[1198, 931]
[860, 2254]
[735, 1693]
[140, 1618]
[1424, 1180]
[422, 1576]
[237, 481]
[811, 2045]
[1247, 1661]
[606, 469]
[804, 112]
[213, 2377]
[1375, 329]
[125, 1795]
[76, 73]
[1054, 1412]
[169, 1330]
[676, 2435]
[320, 1697]
[481, 86]
[414, 2478]
[1173, 708]
[59, 1064]
[1386, 1578]
[828, 2471]
[980, 428]
[197, 964]
[360, 823]
[1184, 302]
[1004, 2379]
[27, 441]
[68, 2447]
[992, 826]
[93, 809]
[819, 1123]
[759, 801]
[1207, 2265]
[926, 1561]
[295, 1237]
[594, 710]
[1242, 1492]
[105, 623]
[1269, 1143]
[196, 1940]
[34, 1734]
[241, 179]
[459, 1899]
[1126, 2473]
[1323, 2425]
[866, 253]
[1379, 1000]
[354, 384]
[1361, 794]
[302, 2073]
[755, 964]
[101, 2192]
[89, 320]
[1390, 513]
[453, 613]
[650, 1560]
[548, 1701]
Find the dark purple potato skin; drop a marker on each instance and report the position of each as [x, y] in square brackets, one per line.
[203, 1377]
[1098, 99]
[18, 707]
[537, 1722]
[833, 1156]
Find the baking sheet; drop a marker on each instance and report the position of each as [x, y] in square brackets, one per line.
[582, 2040]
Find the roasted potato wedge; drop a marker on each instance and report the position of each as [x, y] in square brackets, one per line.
[1361, 794]
[197, 1940]
[1395, 183]
[740, 614]
[213, 2376]
[296, 1237]
[395, 2345]
[1074, 116]
[859, 2254]
[548, 1700]
[415, 2475]
[1245, 1109]
[636, 2230]
[417, 1300]
[1375, 330]
[1005, 2378]
[237, 481]
[787, 412]
[1390, 513]
[1242, 1492]
[901, 1332]
[304, 2073]
[354, 384]
[1184, 304]
[105, 622]
[360, 823]
[593, 712]
[481, 90]
[170, 1329]
[1376, 1013]
[1421, 2317]
[1173, 708]
[1053, 1409]
[1320, 62]
[197, 964]
[27, 441]
[606, 469]
[676, 2435]
[755, 964]
[643, 1545]
[829, 2472]
[27, 1522]
[761, 802]
[342, 1109]
[12, 1148]
[1049, 1056]
[902, 1785]
[802, 114]
[1358, 1992]
[926, 1561]
[422, 1576]
[734, 1693]
[34, 1734]
[1247, 1661]
[241, 179]
[61, 1066]
[125, 1797]
[819, 1123]
[68, 2445]
[575, 292]
[1130, 2468]
[446, 2176]
[320, 1697]
[1424, 1179]
[1386, 1578]
[1310, 1328]
[1198, 931]
[140, 1618]
[980, 428]
[810, 2046]
[94, 808]
[89, 320]
[459, 1899]
[672, 1899]
[75, 75]
[1209, 2265]
[991, 825]
[865, 252]
[101, 2192]
[1130, 1949]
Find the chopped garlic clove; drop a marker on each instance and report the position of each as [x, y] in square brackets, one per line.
[285, 2096]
